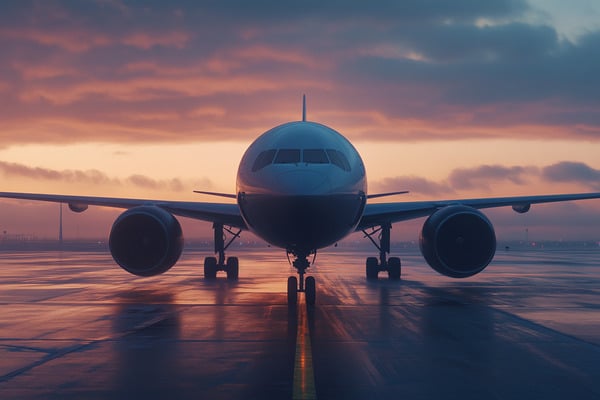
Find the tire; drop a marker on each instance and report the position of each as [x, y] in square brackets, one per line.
[372, 268]
[210, 268]
[394, 268]
[310, 291]
[292, 291]
[233, 269]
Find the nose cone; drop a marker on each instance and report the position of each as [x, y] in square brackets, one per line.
[302, 182]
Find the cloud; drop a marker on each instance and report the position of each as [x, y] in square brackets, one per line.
[414, 184]
[95, 177]
[12, 170]
[572, 172]
[146, 88]
[145, 182]
[483, 176]
[414, 11]
[72, 41]
[410, 70]
[511, 68]
[146, 40]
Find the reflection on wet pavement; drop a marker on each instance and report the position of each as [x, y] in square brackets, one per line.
[73, 325]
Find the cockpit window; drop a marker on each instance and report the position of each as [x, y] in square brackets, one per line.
[295, 156]
[264, 158]
[314, 156]
[287, 156]
[338, 158]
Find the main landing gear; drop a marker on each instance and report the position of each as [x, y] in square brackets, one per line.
[212, 265]
[392, 265]
[307, 285]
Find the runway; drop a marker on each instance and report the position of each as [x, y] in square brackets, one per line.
[73, 325]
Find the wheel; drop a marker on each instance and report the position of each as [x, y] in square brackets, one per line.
[310, 291]
[233, 269]
[394, 268]
[292, 290]
[210, 268]
[372, 268]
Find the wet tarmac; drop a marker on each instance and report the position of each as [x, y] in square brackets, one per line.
[75, 326]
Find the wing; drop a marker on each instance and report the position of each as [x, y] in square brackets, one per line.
[384, 213]
[227, 214]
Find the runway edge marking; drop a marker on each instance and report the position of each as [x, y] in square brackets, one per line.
[304, 376]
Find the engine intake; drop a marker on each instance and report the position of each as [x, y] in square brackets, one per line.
[458, 241]
[146, 240]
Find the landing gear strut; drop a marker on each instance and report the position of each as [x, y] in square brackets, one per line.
[230, 265]
[392, 265]
[295, 285]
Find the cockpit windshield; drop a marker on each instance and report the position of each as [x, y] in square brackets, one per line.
[314, 156]
[338, 158]
[287, 156]
[264, 158]
[297, 156]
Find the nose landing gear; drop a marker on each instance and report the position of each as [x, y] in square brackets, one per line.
[300, 284]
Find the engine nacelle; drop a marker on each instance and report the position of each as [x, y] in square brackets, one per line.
[458, 241]
[146, 240]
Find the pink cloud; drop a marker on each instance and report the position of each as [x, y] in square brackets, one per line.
[148, 88]
[146, 40]
[483, 178]
[72, 41]
[97, 178]
[278, 55]
[174, 73]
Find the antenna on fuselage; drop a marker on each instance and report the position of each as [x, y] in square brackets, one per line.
[303, 108]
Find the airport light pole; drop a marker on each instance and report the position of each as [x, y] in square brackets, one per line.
[60, 225]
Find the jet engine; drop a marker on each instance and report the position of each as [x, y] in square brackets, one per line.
[458, 241]
[146, 240]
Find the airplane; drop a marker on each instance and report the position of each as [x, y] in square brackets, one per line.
[301, 186]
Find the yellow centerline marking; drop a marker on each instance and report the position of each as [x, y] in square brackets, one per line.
[304, 376]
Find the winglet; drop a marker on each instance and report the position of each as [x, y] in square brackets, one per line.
[303, 108]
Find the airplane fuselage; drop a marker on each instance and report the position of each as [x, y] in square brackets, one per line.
[301, 186]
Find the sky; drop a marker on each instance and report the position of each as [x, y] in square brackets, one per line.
[154, 99]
